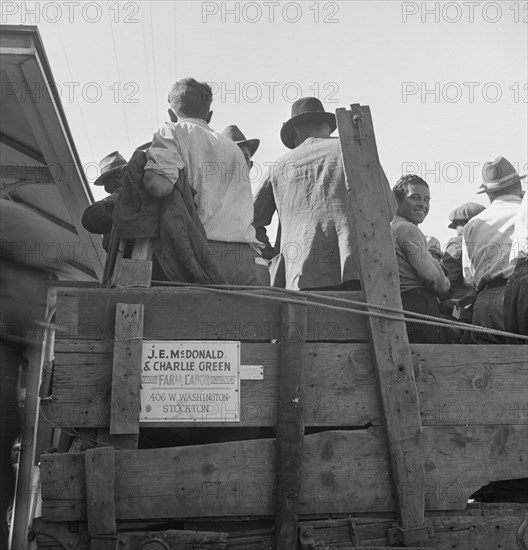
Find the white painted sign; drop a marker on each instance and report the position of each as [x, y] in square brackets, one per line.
[190, 381]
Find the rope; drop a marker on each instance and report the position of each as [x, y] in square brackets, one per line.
[409, 316]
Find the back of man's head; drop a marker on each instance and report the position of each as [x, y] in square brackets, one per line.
[189, 98]
[514, 189]
[310, 128]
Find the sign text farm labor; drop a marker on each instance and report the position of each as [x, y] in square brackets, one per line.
[190, 381]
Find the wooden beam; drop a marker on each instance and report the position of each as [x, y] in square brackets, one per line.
[22, 148]
[380, 281]
[343, 472]
[457, 384]
[126, 372]
[99, 467]
[27, 472]
[27, 173]
[196, 314]
[290, 424]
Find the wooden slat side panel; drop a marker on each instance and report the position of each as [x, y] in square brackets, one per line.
[99, 466]
[194, 314]
[126, 369]
[457, 385]
[343, 472]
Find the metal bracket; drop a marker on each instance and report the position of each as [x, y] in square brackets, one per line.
[398, 535]
[354, 535]
[522, 535]
[306, 537]
[66, 539]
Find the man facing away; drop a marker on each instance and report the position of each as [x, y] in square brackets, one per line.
[486, 246]
[516, 293]
[215, 168]
[421, 277]
[307, 188]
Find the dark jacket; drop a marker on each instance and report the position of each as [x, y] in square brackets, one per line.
[179, 240]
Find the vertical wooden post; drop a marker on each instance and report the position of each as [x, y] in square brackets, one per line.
[126, 369]
[27, 473]
[99, 467]
[380, 282]
[290, 424]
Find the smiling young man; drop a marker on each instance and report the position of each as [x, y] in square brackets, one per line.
[421, 277]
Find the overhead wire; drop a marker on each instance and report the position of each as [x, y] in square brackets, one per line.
[153, 124]
[120, 82]
[77, 103]
[156, 97]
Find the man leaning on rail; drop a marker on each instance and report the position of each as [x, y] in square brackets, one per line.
[421, 277]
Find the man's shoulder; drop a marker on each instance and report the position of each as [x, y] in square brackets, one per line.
[312, 148]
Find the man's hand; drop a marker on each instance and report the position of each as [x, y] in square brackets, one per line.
[156, 185]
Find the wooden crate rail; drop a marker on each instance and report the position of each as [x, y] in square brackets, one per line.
[390, 346]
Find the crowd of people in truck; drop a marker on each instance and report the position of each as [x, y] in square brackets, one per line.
[189, 190]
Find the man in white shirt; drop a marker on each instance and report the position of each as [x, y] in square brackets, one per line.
[486, 246]
[516, 293]
[216, 169]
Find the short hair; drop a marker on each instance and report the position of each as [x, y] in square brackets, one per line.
[190, 98]
[401, 188]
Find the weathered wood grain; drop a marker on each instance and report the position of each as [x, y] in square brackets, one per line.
[342, 472]
[195, 314]
[380, 282]
[457, 385]
[99, 467]
[126, 369]
[290, 425]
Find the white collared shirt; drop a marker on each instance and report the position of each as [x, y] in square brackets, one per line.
[216, 169]
[486, 242]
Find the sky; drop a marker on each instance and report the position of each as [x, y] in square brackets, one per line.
[446, 82]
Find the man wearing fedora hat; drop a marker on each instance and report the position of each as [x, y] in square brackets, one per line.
[486, 246]
[247, 146]
[307, 187]
[97, 218]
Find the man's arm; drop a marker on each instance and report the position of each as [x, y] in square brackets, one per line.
[427, 268]
[264, 207]
[164, 163]
[156, 185]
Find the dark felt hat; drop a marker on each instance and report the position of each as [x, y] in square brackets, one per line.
[234, 134]
[464, 213]
[498, 175]
[304, 110]
[109, 165]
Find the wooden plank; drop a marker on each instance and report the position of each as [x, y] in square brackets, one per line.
[196, 314]
[126, 369]
[457, 385]
[342, 472]
[380, 282]
[111, 256]
[100, 473]
[142, 249]
[131, 273]
[290, 425]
